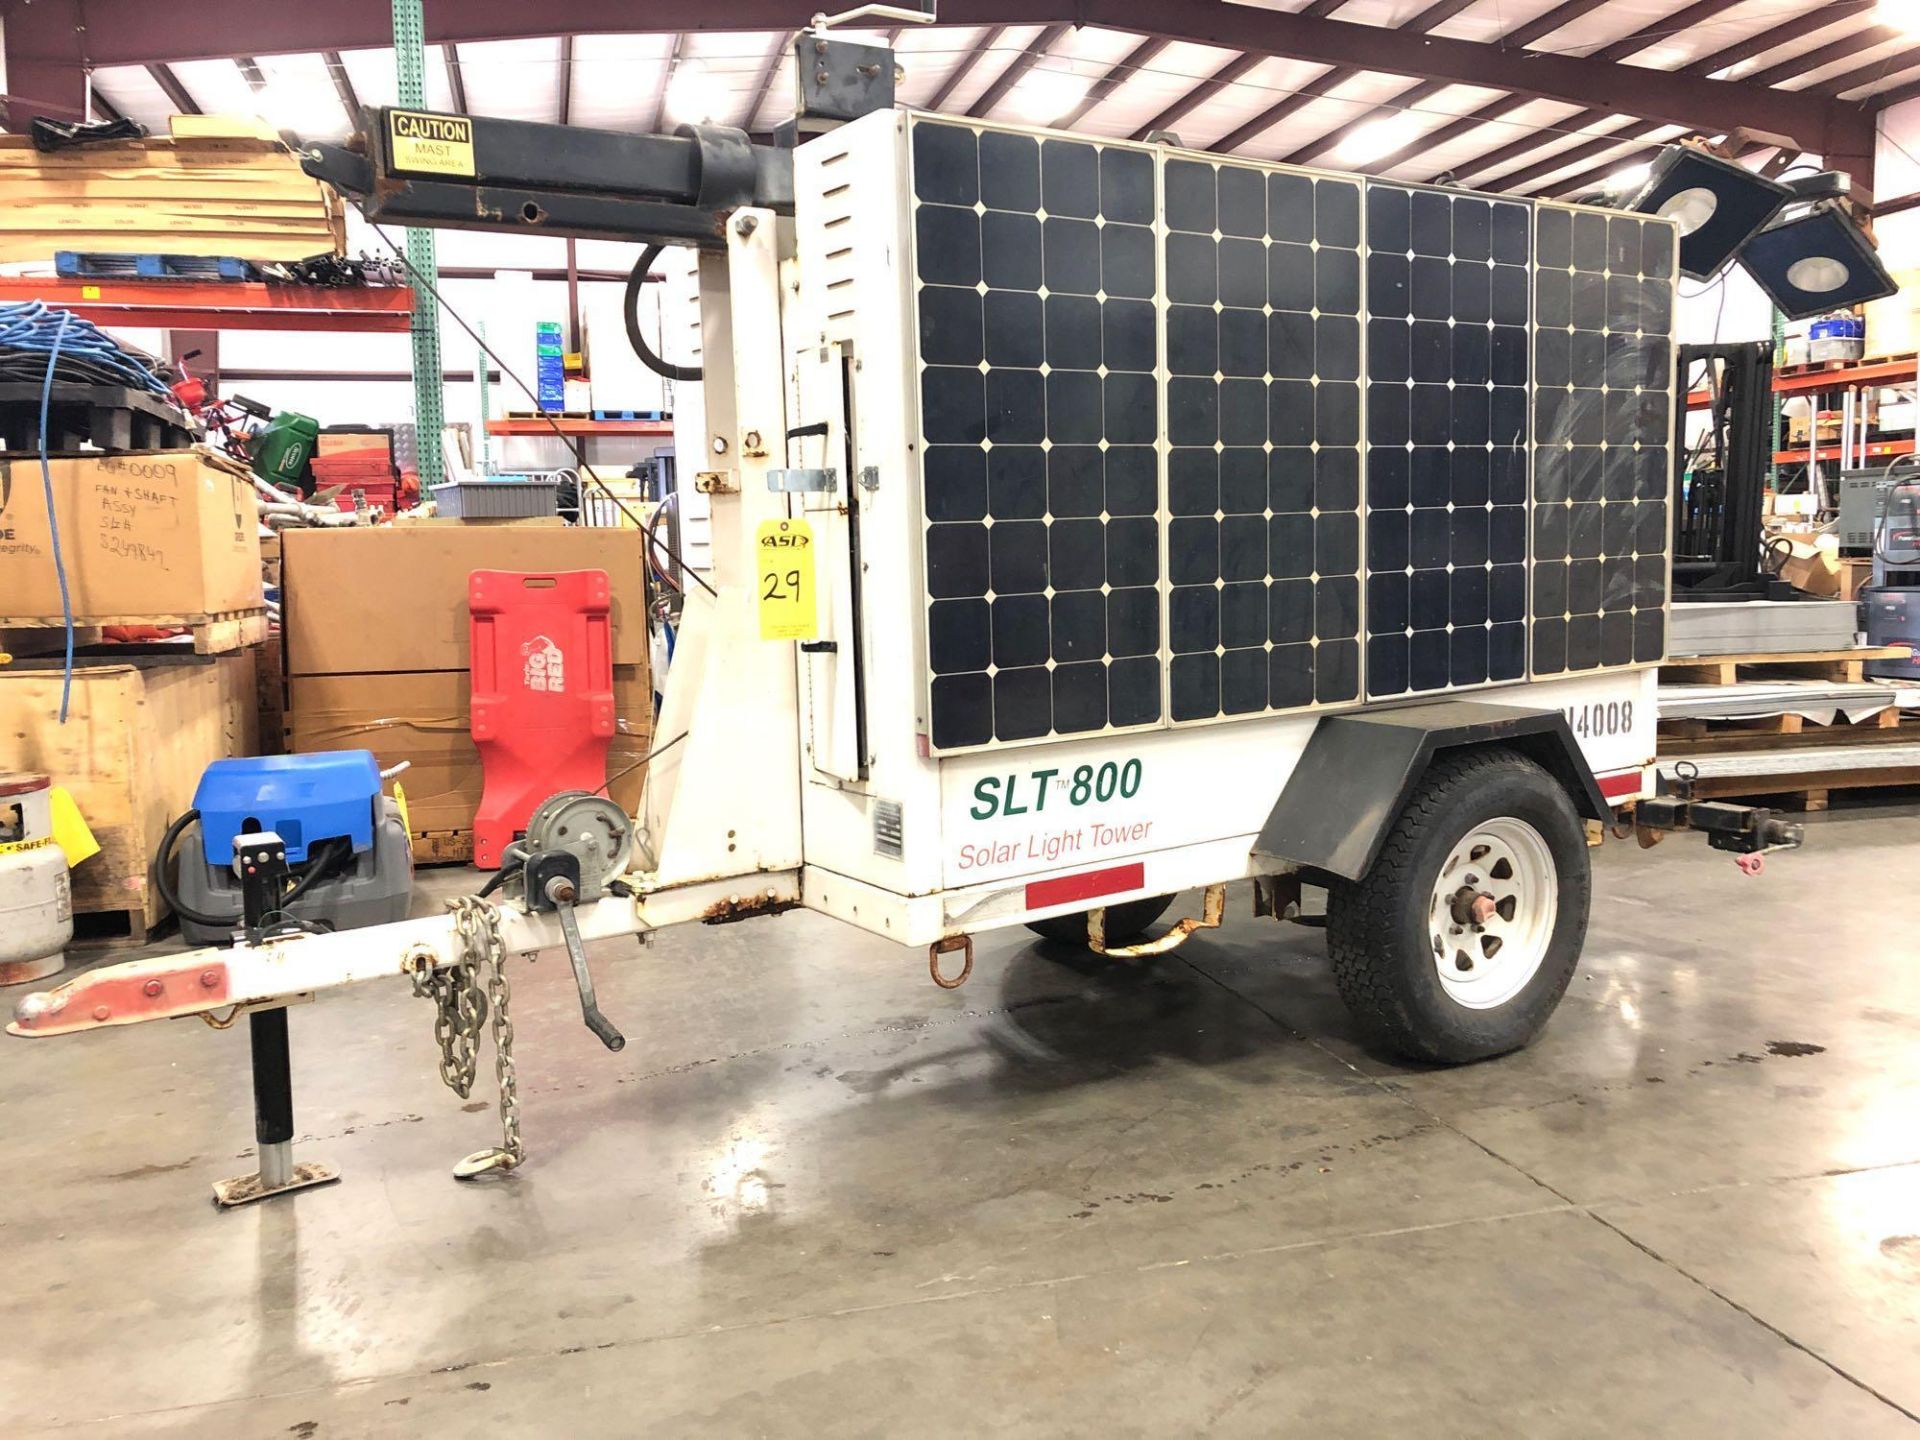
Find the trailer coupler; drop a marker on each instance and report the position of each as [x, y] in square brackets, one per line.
[1748, 831]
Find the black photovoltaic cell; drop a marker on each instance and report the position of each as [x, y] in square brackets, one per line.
[1603, 360]
[1039, 414]
[1263, 428]
[1447, 291]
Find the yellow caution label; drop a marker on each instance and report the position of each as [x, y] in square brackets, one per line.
[430, 144]
[789, 609]
[89, 292]
[14, 847]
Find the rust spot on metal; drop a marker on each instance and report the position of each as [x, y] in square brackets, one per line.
[745, 907]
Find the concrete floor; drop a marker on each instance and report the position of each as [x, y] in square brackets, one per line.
[817, 1196]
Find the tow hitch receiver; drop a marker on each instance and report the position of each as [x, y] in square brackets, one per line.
[1745, 830]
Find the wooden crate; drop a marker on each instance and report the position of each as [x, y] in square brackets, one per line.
[137, 737]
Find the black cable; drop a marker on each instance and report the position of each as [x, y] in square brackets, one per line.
[630, 312]
[163, 874]
[628, 770]
[579, 454]
[499, 878]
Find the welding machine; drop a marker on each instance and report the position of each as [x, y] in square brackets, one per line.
[1890, 606]
[347, 843]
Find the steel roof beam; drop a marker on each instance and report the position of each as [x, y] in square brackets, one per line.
[176, 93]
[343, 86]
[117, 32]
[1226, 75]
[1117, 75]
[1017, 67]
[965, 67]
[563, 109]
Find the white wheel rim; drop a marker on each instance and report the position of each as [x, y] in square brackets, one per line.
[1492, 914]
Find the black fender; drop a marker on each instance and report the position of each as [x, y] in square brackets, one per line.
[1359, 768]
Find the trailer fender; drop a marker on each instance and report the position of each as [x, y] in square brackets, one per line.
[1357, 770]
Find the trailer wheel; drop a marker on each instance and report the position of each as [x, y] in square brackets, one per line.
[1126, 922]
[1461, 939]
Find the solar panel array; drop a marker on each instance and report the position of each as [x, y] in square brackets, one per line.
[1039, 413]
[1603, 361]
[1263, 430]
[1147, 491]
[1447, 371]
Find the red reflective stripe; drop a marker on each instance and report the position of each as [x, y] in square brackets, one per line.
[1614, 786]
[1068, 888]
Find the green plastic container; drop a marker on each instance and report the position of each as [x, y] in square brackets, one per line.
[283, 450]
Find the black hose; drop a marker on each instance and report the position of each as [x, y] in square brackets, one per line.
[163, 875]
[499, 878]
[630, 309]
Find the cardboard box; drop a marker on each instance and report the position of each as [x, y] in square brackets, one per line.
[422, 718]
[144, 536]
[394, 598]
[1812, 568]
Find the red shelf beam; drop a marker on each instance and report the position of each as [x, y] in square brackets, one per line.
[210, 305]
[573, 425]
[1876, 450]
[1871, 372]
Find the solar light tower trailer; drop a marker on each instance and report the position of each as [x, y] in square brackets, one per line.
[1093, 522]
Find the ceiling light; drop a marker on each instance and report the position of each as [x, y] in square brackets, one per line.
[1718, 206]
[1043, 96]
[1627, 179]
[1900, 14]
[1376, 138]
[694, 95]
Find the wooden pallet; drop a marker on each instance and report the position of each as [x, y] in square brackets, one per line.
[1759, 732]
[1808, 791]
[103, 932]
[1840, 666]
[1822, 367]
[214, 634]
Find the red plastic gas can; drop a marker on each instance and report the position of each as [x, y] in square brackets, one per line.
[542, 712]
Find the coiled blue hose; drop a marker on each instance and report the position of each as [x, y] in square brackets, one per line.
[36, 328]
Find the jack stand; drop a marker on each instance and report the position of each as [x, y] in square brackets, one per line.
[262, 860]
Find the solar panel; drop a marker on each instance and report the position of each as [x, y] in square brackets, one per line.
[1263, 432]
[1603, 366]
[1447, 431]
[1037, 277]
[1205, 439]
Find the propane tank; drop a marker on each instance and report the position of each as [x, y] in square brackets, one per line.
[36, 898]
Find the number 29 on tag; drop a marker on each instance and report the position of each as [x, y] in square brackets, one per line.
[789, 609]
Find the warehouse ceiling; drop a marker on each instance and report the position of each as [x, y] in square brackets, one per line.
[1485, 92]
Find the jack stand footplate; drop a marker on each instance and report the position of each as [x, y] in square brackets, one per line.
[245, 1189]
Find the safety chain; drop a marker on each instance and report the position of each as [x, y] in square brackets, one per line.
[461, 1006]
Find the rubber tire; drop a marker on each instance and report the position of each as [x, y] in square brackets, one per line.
[1377, 926]
[1126, 922]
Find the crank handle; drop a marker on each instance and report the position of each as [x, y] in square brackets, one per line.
[598, 1023]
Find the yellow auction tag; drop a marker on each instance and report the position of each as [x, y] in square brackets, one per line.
[788, 608]
[431, 144]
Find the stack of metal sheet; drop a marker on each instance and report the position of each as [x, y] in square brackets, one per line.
[1821, 701]
[1752, 627]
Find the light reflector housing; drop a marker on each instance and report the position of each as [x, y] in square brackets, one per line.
[1718, 205]
[1815, 262]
